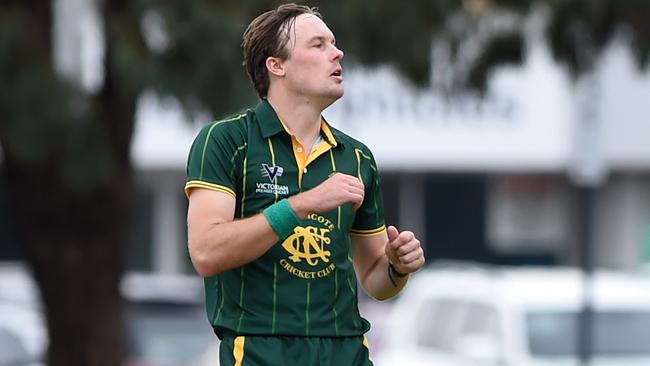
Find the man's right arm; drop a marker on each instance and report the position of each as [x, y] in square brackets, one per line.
[218, 243]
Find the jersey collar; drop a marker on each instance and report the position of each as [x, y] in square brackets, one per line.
[270, 124]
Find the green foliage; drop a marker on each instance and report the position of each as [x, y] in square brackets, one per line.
[34, 103]
[581, 29]
[48, 122]
[387, 32]
[507, 49]
[202, 64]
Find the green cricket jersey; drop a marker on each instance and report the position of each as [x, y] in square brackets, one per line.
[304, 285]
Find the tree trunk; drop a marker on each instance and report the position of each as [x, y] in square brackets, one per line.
[74, 245]
[71, 203]
[74, 239]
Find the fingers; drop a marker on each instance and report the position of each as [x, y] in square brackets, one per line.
[356, 195]
[401, 243]
[401, 238]
[352, 188]
[357, 201]
[355, 190]
[335, 191]
[392, 233]
[347, 179]
[404, 250]
[348, 182]
[412, 256]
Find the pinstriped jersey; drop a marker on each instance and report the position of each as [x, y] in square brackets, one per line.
[304, 285]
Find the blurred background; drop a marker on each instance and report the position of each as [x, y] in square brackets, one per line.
[512, 136]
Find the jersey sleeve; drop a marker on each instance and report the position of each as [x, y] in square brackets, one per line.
[213, 159]
[369, 218]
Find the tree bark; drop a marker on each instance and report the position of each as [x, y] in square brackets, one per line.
[74, 232]
[74, 242]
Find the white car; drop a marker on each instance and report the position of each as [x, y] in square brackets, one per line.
[166, 320]
[468, 315]
[167, 323]
[23, 334]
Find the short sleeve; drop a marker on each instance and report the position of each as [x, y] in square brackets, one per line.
[369, 218]
[215, 159]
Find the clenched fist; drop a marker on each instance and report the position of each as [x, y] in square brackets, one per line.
[404, 251]
[333, 192]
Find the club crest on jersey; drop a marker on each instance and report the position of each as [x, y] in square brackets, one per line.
[308, 243]
[271, 171]
[308, 249]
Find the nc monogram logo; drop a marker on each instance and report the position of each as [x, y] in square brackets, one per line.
[308, 243]
[271, 171]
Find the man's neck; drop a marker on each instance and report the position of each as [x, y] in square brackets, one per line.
[301, 116]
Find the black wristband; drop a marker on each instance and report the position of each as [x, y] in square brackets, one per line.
[396, 272]
[392, 273]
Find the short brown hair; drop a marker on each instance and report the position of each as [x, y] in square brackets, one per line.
[267, 36]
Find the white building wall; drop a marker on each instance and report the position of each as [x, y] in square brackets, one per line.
[625, 109]
[523, 124]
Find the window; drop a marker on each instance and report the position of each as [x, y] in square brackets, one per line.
[615, 333]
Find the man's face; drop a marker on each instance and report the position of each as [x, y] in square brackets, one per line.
[313, 68]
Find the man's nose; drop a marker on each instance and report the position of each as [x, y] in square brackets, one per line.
[338, 54]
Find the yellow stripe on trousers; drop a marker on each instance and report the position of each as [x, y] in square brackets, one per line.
[365, 343]
[238, 350]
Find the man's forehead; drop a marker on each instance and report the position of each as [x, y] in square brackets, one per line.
[309, 26]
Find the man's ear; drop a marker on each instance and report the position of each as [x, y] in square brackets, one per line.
[275, 66]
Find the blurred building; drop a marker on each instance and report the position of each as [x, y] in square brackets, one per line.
[490, 179]
[495, 179]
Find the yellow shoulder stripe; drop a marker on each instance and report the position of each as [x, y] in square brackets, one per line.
[207, 185]
[370, 232]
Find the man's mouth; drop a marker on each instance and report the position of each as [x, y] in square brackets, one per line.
[337, 74]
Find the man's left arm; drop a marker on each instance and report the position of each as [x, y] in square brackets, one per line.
[383, 262]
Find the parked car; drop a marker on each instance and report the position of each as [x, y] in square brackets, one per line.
[23, 335]
[462, 315]
[17, 285]
[167, 323]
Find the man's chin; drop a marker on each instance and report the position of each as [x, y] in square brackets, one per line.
[337, 93]
[330, 98]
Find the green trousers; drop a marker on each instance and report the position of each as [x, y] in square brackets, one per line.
[294, 351]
